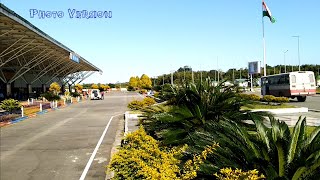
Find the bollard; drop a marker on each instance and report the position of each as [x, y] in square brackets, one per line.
[71, 100]
[32, 101]
[56, 104]
[64, 101]
[40, 107]
[28, 102]
[22, 113]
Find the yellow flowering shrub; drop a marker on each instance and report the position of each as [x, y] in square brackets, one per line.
[238, 174]
[55, 88]
[136, 105]
[140, 157]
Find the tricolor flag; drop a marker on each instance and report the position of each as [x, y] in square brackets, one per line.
[267, 12]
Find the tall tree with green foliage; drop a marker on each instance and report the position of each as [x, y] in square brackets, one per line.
[78, 87]
[94, 86]
[145, 82]
[134, 81]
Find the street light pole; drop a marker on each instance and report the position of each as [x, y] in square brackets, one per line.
[163, 80]
[298, 49]
[184, 73]
[284, 59]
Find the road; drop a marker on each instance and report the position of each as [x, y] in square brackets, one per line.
[312, 102]
[59, 144]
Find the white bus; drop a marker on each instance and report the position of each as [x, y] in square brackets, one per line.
[299, 84]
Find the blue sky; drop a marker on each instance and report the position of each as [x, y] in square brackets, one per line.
[155, 37]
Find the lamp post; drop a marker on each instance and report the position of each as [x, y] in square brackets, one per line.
[298, 49]
[284, 59]
[172, 77]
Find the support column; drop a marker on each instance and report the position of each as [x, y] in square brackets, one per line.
[63, 88]
[8, 90]
[29, 88]
[44, 89]
[70, 87]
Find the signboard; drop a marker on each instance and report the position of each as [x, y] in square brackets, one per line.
[254, 67]
[74, 57]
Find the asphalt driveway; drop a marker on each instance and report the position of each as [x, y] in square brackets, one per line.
[59, 144]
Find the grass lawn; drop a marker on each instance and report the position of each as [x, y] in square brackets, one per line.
[309, 129]
[265, 106]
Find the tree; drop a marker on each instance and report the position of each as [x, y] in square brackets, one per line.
[94, 86]
[55, 88]
[78, 87]
[145, 82]
[133, 82]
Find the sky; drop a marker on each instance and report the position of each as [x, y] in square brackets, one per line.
[157, 37]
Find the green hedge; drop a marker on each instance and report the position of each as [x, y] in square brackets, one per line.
[252, 97]
[266, 98]
[270, 98]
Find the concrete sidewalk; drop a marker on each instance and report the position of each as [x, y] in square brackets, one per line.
[313, 118]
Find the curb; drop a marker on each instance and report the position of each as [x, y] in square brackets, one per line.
[283, 110]
[314, 110]
[114, 149]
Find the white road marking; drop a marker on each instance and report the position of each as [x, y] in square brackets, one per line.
[86, 169]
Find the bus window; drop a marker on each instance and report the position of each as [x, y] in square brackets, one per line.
[293, 79]
[286, 79]
[311, 78]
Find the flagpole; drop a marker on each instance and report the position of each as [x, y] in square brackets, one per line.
[264, 45]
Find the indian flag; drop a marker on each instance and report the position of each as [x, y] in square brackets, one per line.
[267, 12]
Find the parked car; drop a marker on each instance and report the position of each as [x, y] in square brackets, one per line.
[95, 94]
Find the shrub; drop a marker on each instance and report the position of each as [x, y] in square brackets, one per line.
[135, 105]
[281, 100]
[10, 105]
[252, 97]
[142, 91]
[75, 94]
[140, 157]
[55, 88]
[268, 98]
[130, 88]
[156, 94]
[148, 101]
[50, 96]
[229, 174]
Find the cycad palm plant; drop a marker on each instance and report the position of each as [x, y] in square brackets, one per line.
[193, 107]
[274, 151]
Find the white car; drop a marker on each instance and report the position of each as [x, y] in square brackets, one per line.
[95, 94]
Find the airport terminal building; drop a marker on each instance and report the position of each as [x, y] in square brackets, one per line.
[30, 60]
